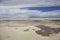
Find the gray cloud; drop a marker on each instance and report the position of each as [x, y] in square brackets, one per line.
[37, 2]
[18, 13]
[11, 8]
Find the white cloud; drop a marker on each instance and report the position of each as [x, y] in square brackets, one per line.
[51, 13]
[21, 13]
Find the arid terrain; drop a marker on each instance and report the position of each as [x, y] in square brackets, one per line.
[29, 29]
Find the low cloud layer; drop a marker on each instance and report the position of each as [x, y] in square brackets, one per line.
[24, 13]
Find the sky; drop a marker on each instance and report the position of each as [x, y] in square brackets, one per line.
[29, 9]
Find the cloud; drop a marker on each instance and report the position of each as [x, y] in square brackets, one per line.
[51, 14]
[24, 13]
[12, 8]
[30, 2]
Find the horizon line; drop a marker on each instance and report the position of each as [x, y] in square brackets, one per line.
[30, 19]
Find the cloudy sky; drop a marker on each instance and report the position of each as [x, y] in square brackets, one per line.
[29, 9]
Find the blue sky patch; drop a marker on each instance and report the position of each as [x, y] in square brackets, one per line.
[44, 9]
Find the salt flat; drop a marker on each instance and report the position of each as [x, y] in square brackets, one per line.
[24, 31]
